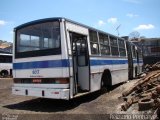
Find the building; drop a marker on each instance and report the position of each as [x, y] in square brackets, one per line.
[150, 48]
[5, 47]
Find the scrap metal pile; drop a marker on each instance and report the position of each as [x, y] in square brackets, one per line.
[146, 91]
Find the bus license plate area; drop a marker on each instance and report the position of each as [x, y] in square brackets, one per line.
[36, 80]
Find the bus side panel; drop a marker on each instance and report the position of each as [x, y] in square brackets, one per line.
[95, 78]
[117, 67]
[119, 76]
[98, 65]
[141, 65]
[119, 73]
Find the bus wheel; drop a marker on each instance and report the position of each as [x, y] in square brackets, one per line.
[103, 86]
[136, 71]
[4, 73]
[105, 81]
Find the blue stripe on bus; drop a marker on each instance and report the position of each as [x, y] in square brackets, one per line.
[107, 62]
[63, 63]
[41, 64]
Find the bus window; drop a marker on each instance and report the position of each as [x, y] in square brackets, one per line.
[46, 43]
[122, 49]
[133, 52]
[94, 48]
[114, 46]
[43, 36]
[104, 44]
[35, 41]
[38, 39]
[94, 42]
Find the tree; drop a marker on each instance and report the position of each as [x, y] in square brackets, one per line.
[134, 36]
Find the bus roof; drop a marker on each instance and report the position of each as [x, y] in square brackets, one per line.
[59, 19]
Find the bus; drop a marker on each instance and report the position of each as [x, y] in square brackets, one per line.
[5, 64]
[59, 58]
[135, 60]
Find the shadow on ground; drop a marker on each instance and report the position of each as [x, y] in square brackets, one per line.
[52, 105]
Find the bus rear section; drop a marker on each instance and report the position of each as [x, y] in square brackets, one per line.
[40, 66]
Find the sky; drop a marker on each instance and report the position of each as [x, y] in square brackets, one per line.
[112, 16]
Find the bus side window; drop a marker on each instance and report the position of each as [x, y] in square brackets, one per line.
[114, 46]
[133, 52]
[122, 49]
[94, 42]
[94, 48]
[104, 44]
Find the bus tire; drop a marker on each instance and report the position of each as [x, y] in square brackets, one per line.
[106, 80]
[136, 71]
[4, 73]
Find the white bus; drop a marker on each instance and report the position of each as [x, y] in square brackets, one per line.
[62, 59]
[5, 64]
[135, 60]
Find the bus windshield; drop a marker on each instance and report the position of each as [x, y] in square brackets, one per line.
[38, 37]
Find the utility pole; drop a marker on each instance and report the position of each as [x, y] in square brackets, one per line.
[117, 29]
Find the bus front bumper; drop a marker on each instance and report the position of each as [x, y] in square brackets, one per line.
[41, 92]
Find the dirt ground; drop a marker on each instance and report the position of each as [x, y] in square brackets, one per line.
[97, 103]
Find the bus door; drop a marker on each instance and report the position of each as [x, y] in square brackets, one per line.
[80, 59]
[138, 65]
[130, 61]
